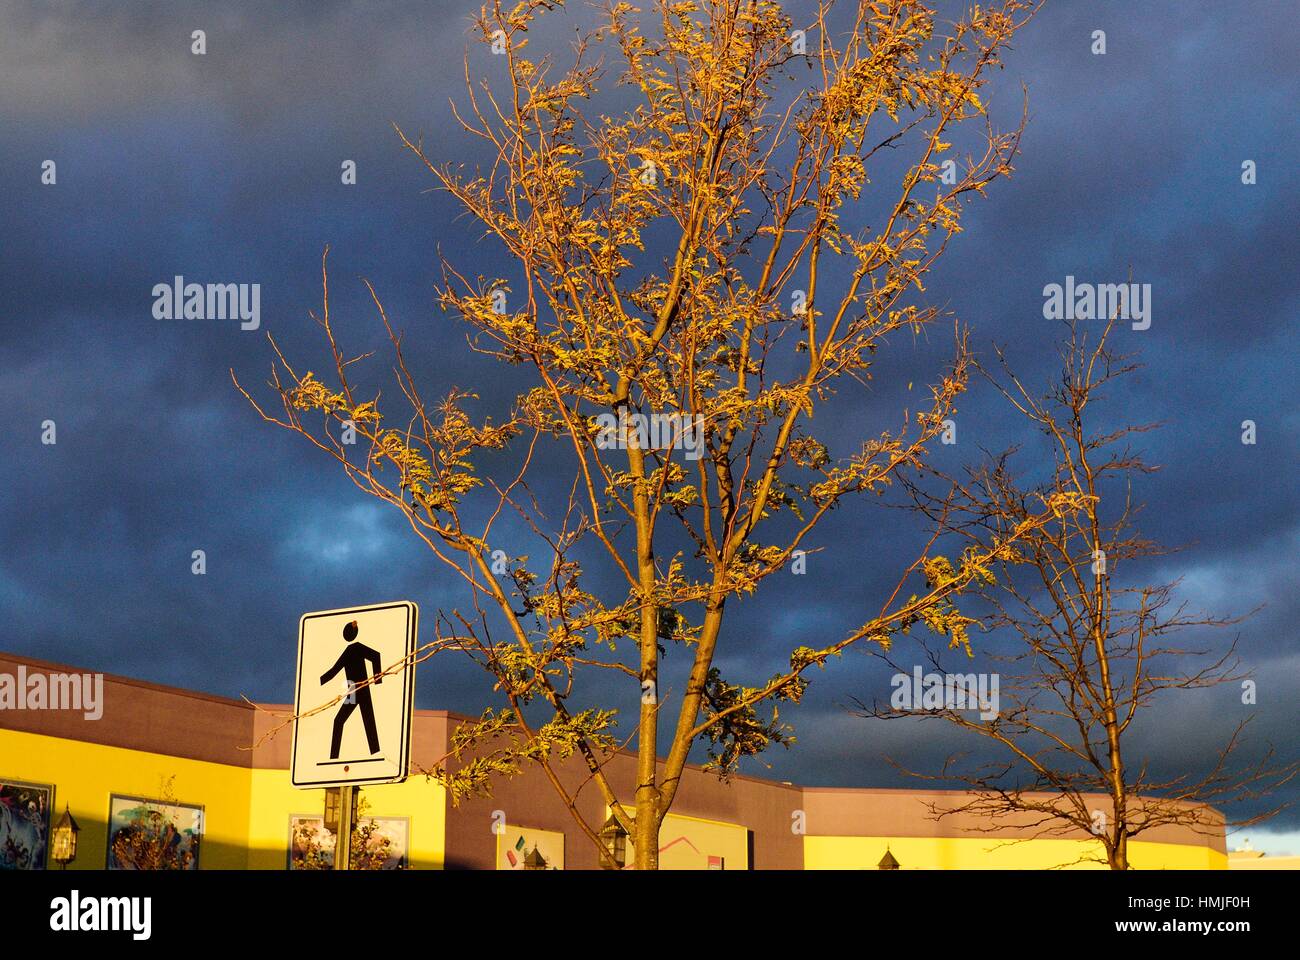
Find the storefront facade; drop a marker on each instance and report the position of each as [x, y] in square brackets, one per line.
[210, 775]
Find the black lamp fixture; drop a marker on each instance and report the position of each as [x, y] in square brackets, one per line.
[614, 837]
[332, 802]
[65, 839]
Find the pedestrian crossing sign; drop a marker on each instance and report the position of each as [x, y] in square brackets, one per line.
[354, 695]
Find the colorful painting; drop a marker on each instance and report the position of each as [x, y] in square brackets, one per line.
[378, 843]
[692, 843]
[527, 848]
[153, 834]
[24, 824]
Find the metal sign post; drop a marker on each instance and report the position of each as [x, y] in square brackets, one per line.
[346, 824]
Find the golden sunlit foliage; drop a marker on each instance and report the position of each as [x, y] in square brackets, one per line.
[726, 249]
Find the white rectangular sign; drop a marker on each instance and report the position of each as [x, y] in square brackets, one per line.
[352, 728]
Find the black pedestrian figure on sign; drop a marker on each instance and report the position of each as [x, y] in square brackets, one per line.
[353, 662]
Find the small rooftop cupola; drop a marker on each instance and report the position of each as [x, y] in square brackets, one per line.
[534, 860]
[887, 862]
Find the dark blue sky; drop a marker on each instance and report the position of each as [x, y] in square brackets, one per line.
[226, 168]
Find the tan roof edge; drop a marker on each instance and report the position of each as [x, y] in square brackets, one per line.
[128, 681]
[182, 691]
[878, 791]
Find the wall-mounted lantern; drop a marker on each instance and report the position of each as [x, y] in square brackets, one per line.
[65, 839]
[332, 801]
[614, 837]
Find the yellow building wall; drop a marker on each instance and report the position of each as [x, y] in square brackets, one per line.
[246, 818]
[1263, 863]
[275, 799]
[84, 774]
[246, 812]
[980, 853]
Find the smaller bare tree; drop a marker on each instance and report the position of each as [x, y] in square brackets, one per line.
[1093, 648]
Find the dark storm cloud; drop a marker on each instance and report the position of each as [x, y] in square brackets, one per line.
[226, 168]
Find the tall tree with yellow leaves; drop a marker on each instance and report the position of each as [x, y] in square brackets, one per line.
[694, 278]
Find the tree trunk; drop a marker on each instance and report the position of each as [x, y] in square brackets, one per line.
[1118, 852]
[646, 836]
[646, 840]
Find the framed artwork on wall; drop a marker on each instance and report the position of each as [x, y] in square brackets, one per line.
[146, 834]
[693, 843]
[529, 848]
[378, 843]
[24, 824]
